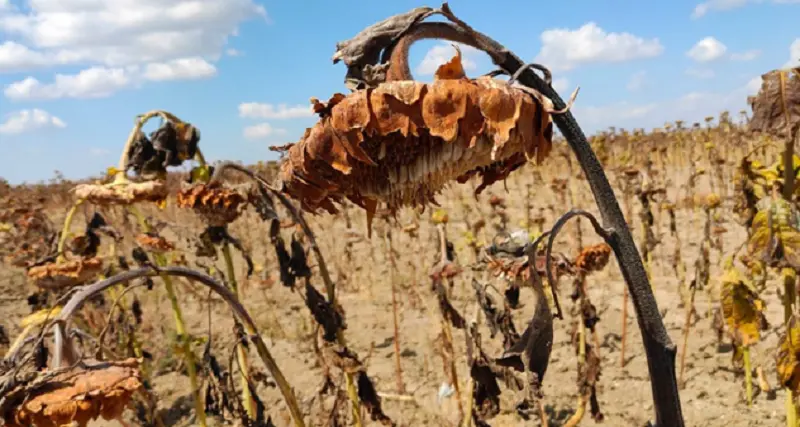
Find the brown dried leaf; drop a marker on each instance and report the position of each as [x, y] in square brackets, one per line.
[776, 107]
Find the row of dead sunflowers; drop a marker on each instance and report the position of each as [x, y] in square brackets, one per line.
[59, 384]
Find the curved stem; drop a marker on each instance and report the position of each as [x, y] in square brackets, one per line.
[86, 292]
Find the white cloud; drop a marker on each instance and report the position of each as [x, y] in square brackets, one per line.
[707, 50]
[233, 52]
[16, 57]
[691, 107]
[262, 130]
[564, 49]
[794, 55]
[753, 86]
[716, 5]
[124, 32]
[180, 69]
[747, 55]
[700, 73]
[101, 82]
[560, 84]
[29, 120]
[721, 5]
[120, 43]
[443, 53]
[256, 110]
[95, 82]
[636, 81]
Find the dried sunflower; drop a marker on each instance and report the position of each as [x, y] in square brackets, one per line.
[66, 274]
[154, 243]
[402, 141]
[593, 258]
[217, 204]
[78, 395]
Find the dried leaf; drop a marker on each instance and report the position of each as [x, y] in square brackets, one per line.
[775, 237]
[741, 307]
[788, 357]
[776, 107]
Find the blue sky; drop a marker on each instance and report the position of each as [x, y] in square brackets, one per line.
[74, 73]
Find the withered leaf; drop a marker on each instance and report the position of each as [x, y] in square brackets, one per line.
[776, 107]
[370, 399]
[448, 311]
[324, 313]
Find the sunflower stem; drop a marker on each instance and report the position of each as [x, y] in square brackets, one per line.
[241, 354]
[62, 240]
[748, 375]
[180, 327]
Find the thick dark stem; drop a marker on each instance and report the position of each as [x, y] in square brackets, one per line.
[659, 348]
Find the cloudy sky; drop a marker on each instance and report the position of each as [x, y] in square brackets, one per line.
[74, 73]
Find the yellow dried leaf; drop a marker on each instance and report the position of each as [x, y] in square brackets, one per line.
[39, 317]
[787, 363]
[741, 307]
[774, 235]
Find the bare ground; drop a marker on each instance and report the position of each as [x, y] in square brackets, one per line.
[713, 393]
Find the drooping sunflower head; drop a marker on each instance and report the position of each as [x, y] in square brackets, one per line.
[401, 142]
